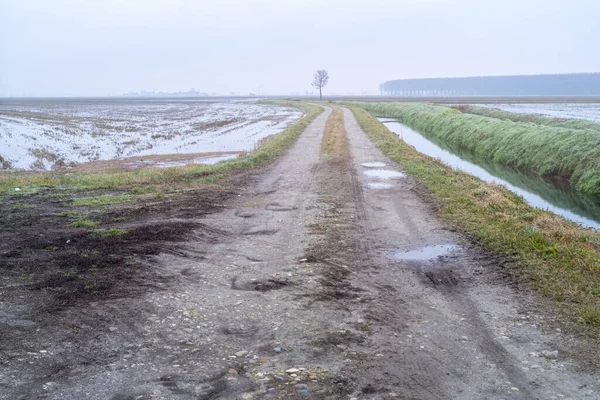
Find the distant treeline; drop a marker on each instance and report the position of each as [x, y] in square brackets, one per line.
[584, 84]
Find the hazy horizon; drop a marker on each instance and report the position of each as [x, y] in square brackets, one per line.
[108, 48]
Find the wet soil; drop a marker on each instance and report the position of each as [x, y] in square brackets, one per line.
[286, 283]
[152, 161]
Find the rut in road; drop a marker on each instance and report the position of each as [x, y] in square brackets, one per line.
[316, 267]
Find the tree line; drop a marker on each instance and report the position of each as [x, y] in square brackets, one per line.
[514, 85]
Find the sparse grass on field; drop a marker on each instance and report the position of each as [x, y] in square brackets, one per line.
[32, 182]
[84, 223]
[572, 154]
[101, 233]
[561, 259]
[531, 118]
[145, 189]
[69, 214]
[103, 200]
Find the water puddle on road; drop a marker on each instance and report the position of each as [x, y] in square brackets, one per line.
[373, 164]
[425, 253]
[379, 185]
[384, 174]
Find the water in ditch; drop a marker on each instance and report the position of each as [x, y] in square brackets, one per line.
[573, 206]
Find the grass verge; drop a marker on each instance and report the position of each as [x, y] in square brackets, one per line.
[31, 182]
[572, 154]
[335, 140]
[561, 259]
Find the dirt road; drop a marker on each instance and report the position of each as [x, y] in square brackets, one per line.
[328, 276]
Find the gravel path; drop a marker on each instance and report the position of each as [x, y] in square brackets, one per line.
[326, 277]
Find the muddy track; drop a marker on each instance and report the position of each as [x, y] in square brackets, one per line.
[332, 267]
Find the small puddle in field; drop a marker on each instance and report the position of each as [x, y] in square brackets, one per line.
[379, 185]
[384, 174]
[424, 254]
[215, 159]
[207, 160]
[373, 164]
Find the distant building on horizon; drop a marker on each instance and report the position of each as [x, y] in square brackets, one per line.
[577, 84]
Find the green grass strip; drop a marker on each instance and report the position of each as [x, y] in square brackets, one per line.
[103, 200]
[572, 154]
[561, 259]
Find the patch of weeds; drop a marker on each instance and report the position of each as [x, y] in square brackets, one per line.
[84, 223]
[103, 200]
[144, 189]
[590, 316]
[69, 214]
[20, 206]
[101, 233]
[88, 253]
[57, 196]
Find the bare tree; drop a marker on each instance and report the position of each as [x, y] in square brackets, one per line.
[320, 80]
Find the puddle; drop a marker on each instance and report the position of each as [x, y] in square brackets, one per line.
[384, 174]
[424, 254]
[215, 159]
[379, 185]
[208, 160]
[373, 164]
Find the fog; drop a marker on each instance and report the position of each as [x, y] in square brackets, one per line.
[109, 47]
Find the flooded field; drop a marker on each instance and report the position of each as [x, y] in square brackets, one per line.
[50, 134]
[590, 112]
[555, 197]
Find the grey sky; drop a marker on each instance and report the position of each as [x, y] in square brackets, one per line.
[108, 47]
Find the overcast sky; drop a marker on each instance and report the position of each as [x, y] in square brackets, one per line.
[108, 47]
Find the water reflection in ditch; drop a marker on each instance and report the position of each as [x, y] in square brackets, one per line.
[537, 192]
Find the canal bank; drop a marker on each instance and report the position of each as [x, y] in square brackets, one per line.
[537, 192]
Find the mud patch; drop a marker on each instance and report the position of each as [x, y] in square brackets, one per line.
[244, 214]
[339, 338]
[442, 277]
[279, 207]
[69, 289]
[260, 230]
[427, 253]
[260, 285]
